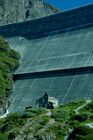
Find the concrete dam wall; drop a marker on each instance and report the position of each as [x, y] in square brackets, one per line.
[59, 22]
[56, 57]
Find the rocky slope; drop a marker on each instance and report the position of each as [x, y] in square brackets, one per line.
[21, 10]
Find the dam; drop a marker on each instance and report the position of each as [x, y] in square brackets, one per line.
[56, 57]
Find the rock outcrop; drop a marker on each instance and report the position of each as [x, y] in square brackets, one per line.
[21, 10]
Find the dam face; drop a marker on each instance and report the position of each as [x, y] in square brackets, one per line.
[56, 57]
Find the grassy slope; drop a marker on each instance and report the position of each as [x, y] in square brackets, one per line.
[8, 63]
[37, 124]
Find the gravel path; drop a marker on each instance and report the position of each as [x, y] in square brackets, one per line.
[82, 106]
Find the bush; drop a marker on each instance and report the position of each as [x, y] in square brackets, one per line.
[3, 136]
[80, 117]
[44, 120]
[81, 132]
[59, 115]
[12, 135]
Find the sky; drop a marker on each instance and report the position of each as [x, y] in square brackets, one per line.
[69, 4]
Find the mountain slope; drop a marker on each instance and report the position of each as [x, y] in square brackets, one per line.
[21, 10]
[8, 63]
[61, 123]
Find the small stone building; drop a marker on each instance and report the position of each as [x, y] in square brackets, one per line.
[47, 102]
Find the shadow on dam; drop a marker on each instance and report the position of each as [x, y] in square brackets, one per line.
[54, 73]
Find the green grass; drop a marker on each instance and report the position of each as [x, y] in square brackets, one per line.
[9, 61]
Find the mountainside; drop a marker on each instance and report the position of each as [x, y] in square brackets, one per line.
[21, 10]
[8, 63]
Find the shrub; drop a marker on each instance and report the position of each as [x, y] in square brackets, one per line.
[3, 136]
[80, 117]
[81, 132]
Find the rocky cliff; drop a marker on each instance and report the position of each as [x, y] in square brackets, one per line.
[21, 10]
